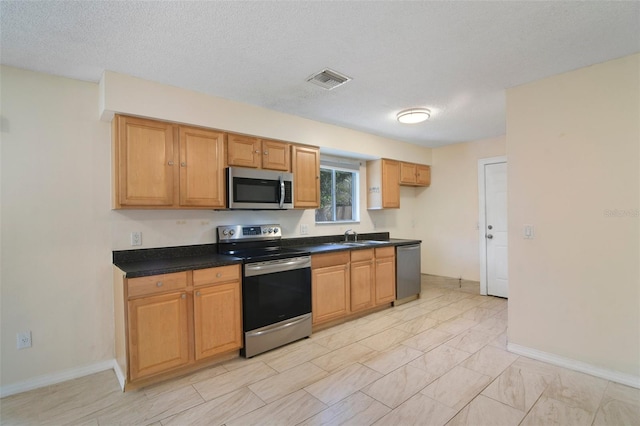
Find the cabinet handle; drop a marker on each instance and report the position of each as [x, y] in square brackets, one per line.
[184, 296]
[170, 162]
[257, 151]
[183, 164]
[197, 293]
[159, 284]
[219, 274]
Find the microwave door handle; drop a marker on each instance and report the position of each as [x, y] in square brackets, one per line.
[281, 192]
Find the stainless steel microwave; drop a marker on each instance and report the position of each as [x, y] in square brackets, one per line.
[259, 189]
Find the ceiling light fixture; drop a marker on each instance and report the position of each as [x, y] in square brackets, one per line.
[413, 115]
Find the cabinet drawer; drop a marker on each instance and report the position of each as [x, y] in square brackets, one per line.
[156, 284]
[329, 259]
[385, 252]
[216, 275]
[357, 255]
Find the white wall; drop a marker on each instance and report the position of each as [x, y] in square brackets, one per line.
[57, 227]
[449, 209]
[573, 146]
[56, 236]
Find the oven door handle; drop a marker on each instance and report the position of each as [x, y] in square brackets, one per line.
[279, 327]
[253, 269]
[281, 192]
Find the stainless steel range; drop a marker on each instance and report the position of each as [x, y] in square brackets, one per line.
[276, 286]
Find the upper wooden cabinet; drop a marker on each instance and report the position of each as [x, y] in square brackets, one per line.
[162, 165]
[383, 184]
[306, 176]
[415, 174]
[144, 161]
[201, 168]
[248, 151]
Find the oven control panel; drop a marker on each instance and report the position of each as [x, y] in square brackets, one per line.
[249, 232]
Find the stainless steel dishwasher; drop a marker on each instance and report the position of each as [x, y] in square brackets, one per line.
[407, 273]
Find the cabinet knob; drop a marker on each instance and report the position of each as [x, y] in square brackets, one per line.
[197, 293]
[183, 164]
[219, 274]
[170, 162]
[159, 284]
[266, 153]
[184, 296]
[257, 151]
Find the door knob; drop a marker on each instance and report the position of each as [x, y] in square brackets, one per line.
[490, 227]
[489, 236]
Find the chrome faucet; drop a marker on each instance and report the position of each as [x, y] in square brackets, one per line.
[350, 232]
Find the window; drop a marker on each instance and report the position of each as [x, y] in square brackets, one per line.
[338, 191]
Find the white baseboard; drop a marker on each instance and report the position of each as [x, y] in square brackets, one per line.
[119, 374]
[52, 379]
[583, 367]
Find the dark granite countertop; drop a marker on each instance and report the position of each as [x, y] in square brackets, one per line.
[145, 262]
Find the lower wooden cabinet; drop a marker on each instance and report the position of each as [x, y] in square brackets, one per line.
[216, 315]
[170, 322]
[330, 286]
[362, 279]
[385, 287]
[351, 282]
[158, 334]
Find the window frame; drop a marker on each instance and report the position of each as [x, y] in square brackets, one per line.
[346, 166]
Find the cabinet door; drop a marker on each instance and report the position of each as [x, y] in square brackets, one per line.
[390, 184]
[144, 163]
[423, 175]
[275, 155]
[201, 168]
[158, 334]
[385, 288]
[217, 319]
[408, 173]
[243, 151]
[306, 177]
[362, 280]
[330, 293]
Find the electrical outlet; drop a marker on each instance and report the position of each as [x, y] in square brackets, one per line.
[24, 339]
[136, 238]
[304, 229]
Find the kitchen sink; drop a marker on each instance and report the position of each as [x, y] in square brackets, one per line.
[362, 243]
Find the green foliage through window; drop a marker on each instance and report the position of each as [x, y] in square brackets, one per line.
[338, 195]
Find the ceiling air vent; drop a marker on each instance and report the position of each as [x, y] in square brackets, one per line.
[328, 79]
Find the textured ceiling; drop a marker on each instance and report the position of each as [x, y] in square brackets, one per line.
[455, 58]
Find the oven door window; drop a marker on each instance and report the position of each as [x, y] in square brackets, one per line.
[271, 298]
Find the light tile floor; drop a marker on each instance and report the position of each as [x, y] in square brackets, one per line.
[438, 360]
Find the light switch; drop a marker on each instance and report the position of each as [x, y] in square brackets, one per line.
[529, 232]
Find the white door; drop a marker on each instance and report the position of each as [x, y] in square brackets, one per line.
[495, 232]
